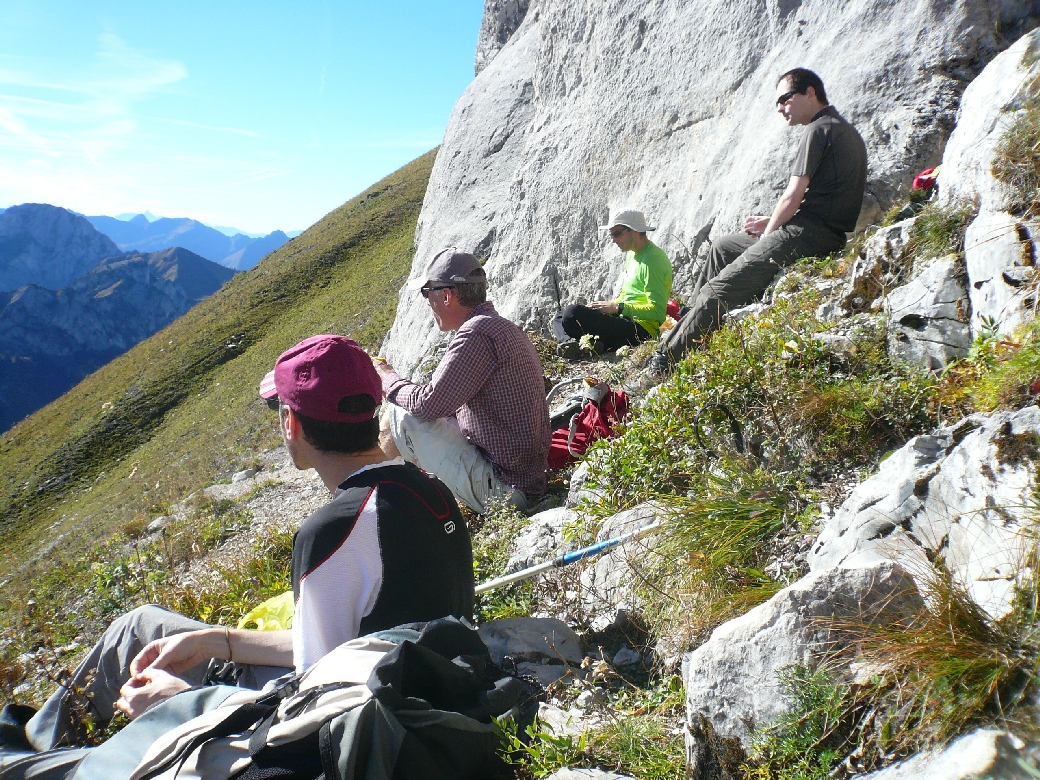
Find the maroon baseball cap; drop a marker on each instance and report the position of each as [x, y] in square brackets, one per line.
[320, 378]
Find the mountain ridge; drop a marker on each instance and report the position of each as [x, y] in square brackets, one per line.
[51, 339]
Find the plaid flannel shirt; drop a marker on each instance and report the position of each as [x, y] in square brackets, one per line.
[491, 380]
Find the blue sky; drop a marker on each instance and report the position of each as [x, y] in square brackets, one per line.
[259, 115]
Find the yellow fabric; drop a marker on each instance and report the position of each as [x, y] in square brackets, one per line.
[275, 614]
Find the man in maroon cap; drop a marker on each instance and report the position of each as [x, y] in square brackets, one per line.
[389, 548]
[481, 424]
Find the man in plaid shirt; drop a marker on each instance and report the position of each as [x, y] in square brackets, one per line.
[481, 425]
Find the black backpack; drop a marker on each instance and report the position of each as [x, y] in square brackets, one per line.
[429, 716]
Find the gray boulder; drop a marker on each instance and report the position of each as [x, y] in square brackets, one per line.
[879, 266]
[1000, 250]
[545, 648]
[595, 105]
[990, 104]
[531, 639]
[964, 492]
[928, 317]
[586, 774]
[541, 540]
[1000, 253]
[731, 679]
[609, 583]
[982, 753]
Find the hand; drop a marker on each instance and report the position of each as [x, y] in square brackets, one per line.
[143, 691]
[180, 652]
[607, 307]
[755, 224]
[383, 368]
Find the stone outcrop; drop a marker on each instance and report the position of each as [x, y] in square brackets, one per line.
[544, 648]
[982, 753]
[963, 492]
[501, 20]
[1000, 248]
[731, 679]
[48, 246]
[591, 106]
[928, 316]
[610, 582]
[541, 540]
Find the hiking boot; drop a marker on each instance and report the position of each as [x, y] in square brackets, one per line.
[659, 366]
[13, 718]
[569, 350]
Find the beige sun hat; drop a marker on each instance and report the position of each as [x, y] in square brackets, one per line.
[630, 218]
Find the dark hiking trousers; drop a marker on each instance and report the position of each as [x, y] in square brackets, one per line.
[615, 331]
[739, 268]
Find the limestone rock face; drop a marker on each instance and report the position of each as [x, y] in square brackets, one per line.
[982, 753]
[879, 267]
[990, 104]
[48, 246]
[541, 540]
[501, 20]
[928, 317]
[609, 583]
[1000, 253]
[599, 104]
[1000, 249]
[731, 679]
[964, 492]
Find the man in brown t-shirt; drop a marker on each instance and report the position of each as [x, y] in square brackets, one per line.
[820, 205]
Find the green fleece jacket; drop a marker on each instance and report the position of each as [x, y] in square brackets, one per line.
[646, 283]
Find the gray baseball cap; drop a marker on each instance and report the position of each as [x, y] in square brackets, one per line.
[449, 266]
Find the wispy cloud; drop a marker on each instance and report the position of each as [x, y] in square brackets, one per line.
[214, 128]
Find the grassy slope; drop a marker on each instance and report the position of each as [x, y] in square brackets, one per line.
[180, 409]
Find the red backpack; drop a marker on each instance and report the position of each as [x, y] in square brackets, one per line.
[592, 415]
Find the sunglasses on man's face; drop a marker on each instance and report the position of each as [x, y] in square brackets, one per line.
[427, 290]
[619, 233]
[272, 403]
[782, 100]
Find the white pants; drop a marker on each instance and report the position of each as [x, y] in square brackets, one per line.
[439, 448]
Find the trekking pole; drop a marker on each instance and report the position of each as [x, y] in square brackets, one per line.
[568, 558]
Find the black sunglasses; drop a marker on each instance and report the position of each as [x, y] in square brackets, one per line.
[273, 403]
[787, 96]
[616, 233]
[427, 290]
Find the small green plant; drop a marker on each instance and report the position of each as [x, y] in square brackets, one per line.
[939, 230]
[240, 588]
[639, 737]
[492, 534]
[541, 752]
[793, 748]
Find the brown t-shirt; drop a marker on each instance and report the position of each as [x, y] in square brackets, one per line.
[832, 154]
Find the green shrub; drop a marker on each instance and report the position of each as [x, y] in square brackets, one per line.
[805, 411]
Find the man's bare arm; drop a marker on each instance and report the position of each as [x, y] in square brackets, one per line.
[788, 203]
[180, 652]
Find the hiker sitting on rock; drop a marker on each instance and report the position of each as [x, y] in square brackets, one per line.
[481, 424]
[639, 309]
[390, 548]
[820, 205]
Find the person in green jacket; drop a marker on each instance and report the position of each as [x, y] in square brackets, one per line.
[639, 309]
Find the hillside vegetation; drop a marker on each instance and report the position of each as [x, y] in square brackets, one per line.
[180, 410]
